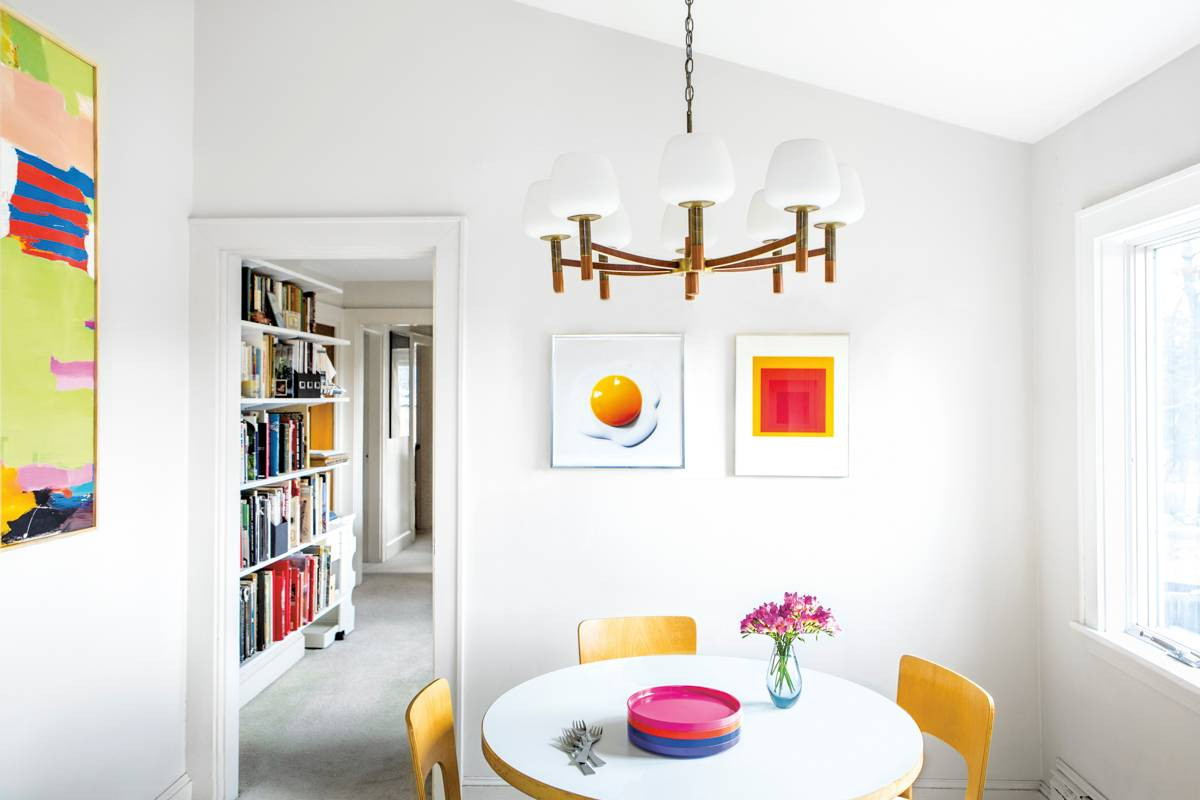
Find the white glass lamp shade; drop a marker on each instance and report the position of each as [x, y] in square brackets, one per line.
[695, 168]
[583, 184]
[765, 223]
[802, 172]
[539, 222]
[613, 230]
[675, 229]
[850, 205]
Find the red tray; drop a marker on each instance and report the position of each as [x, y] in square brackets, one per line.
[683, 709]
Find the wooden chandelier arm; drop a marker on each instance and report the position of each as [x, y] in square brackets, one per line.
[761, 263]
[615, 268]
[645, 260]
[757, 251]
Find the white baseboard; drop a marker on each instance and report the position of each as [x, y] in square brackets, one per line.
[394, 546]
[490, 787]
[180, 789]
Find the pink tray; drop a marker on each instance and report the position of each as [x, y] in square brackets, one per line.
[684, 708]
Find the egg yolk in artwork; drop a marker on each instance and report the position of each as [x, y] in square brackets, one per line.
[616, 400]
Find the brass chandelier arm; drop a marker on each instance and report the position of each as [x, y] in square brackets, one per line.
[762, 263]
[634, 257]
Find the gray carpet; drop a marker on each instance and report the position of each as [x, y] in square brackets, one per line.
[332, 727]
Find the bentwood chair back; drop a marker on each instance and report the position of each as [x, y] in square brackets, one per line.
[431, 738]
[626, 637]
[952, 708]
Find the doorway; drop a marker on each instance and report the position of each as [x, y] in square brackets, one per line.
[219, 246]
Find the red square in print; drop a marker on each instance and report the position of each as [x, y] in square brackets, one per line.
[792, 400]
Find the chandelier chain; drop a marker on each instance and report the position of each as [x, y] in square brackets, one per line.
[688, 91]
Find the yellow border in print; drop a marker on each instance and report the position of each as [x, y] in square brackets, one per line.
[792, 362]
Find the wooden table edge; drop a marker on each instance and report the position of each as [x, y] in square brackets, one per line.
[544, 791]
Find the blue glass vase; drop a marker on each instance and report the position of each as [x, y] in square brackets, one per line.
[783, 676]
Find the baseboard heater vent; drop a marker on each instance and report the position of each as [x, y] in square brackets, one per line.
[1066, 784]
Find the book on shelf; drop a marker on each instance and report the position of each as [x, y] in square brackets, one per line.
[277, 519]
[285, 597]
[270, 301]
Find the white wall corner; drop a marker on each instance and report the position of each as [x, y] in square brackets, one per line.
[180, 789]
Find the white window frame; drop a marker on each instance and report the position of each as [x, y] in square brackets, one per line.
[1111, 243]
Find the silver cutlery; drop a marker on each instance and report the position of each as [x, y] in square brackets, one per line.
[568, 745]
[588, 737]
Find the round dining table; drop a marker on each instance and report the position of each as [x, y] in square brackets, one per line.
[840, 741]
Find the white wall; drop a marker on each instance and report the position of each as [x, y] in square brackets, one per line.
[403, 107]
[387, 294]
[92, 663]
[1126, 738]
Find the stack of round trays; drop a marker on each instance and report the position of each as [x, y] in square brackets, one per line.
[684, 721]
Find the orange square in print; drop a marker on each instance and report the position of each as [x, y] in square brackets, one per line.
[793, 396]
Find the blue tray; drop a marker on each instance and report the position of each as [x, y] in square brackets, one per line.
[667, 742]
[650, 744]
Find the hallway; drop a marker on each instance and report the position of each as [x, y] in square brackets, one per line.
[346, 741]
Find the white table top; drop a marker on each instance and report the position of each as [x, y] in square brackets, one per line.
[841, 741]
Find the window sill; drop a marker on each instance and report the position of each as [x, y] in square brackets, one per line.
[1145, 663]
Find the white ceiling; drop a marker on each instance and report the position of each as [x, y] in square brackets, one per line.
[340, 271]
[1016, 68]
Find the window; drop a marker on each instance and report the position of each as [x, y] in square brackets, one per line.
[1138, 313]
[1163, 405]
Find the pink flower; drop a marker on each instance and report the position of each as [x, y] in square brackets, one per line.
[796, 617]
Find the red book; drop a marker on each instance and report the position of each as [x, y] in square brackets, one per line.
[279, 584]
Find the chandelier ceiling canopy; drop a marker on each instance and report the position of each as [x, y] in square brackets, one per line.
[805, 187]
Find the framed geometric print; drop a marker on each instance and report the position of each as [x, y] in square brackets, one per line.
[791, 405]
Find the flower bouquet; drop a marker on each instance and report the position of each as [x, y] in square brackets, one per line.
[786, 623]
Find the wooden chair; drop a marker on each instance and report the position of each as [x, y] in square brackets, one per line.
[952, 708]
[625, 637]
[431, 738]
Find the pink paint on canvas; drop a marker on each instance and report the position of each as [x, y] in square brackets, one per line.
[32, 477]
[70, 375]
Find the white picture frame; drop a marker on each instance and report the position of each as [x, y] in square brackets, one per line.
[798, 422]
[654, 438]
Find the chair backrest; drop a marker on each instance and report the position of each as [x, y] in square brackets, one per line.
[952, 708]
[625, 637]
[431, 738]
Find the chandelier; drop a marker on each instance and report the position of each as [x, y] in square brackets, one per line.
[805, 187]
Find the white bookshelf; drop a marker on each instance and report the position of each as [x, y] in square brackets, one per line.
[264, 667]
[310, 283]
[265, 403]
[258, 329]
[284, 477]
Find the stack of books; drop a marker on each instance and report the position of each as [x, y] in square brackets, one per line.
[284, 598]
[270, 366]
[277, 519]
[273, 443]
[270, 301]
[327, 458]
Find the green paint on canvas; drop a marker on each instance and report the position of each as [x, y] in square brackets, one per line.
[43, 308]
[48, 61]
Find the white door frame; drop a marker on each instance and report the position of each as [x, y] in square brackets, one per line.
[217, 247]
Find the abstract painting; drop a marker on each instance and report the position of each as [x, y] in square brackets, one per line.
[617, 401]
[47, 286]
[791, 414]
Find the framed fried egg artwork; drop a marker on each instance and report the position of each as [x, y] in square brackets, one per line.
[617, 401]
[791, 405]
